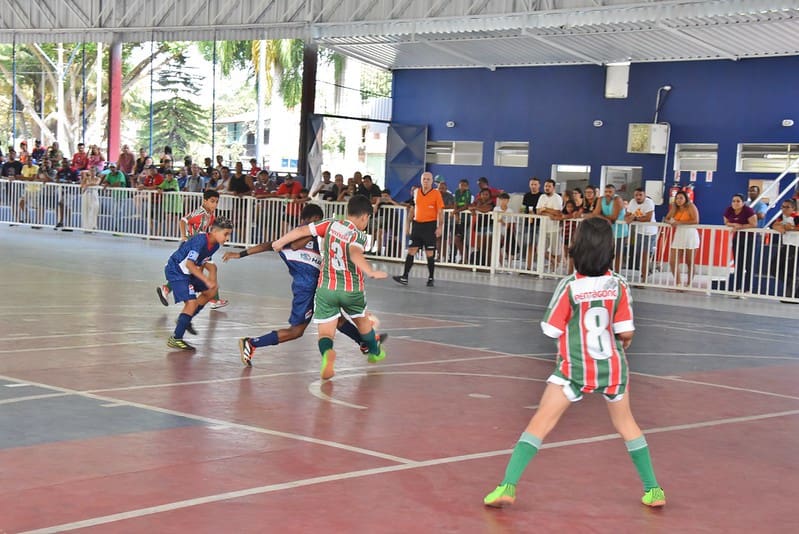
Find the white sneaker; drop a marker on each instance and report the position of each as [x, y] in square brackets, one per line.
[216, 304]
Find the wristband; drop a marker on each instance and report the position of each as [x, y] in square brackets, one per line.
[243, 254]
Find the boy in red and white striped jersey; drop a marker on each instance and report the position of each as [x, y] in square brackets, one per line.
[341, 287]
[591, 317]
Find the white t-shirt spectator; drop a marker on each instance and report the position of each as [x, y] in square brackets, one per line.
[638, 210]
[553, 202]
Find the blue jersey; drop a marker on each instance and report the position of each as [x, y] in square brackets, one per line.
[197, 249]
[303, 264]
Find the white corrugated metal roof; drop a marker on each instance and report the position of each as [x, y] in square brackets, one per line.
[406, 34]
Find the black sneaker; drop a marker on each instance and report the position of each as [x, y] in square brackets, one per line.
[400, 280]
[430, 282]
[176, 343]
[162, 292]
[381, 338]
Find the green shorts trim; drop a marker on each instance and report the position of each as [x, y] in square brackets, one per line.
[329, 304]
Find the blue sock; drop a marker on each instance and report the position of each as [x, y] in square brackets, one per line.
[183, 320]
[198, 310]
[265, 340]
[351, 331]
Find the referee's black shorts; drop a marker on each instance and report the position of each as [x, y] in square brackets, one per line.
[423, 235]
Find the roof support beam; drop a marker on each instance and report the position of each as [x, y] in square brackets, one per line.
[18, 12]
[257, 16]
[132, 10]
[399, 9]
[447, 50]
[227, 8]
[192, 13]
[562, 48]
[696, 40]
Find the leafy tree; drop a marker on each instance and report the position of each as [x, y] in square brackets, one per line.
[177, 120]
[38, 115]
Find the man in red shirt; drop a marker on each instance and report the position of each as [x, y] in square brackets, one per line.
[290, 188]
[80, 161]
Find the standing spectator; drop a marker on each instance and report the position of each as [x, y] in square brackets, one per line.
[126, 162]
[550, 205]
[12, 164]
[446, 196]
[325, 186]
[214, 181]
[290, 188]
[80, 159]
[368, 188]
[611, 208]
[54, 154]
[531, 226]
[172, 204]
[740, 217]
[254, 168]
[38, 152]
[97, 161]
[208, 166]
[195, 183]
[65, 173]
[24, 156]
[785, 267]
[335, 189]
[428, 216]
[507, 245]
[591, 199]
[90, 200]
[141, 161]
[685, 240]
[463, 200]
[30, 171]
[641, 209]
[482, 183]
[760, 208]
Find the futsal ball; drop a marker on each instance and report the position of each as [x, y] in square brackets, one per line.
[373, 318]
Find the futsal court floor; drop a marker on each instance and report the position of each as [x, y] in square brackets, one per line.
[105, 429]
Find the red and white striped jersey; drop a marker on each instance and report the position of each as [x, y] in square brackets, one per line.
[338, 272]
[584, 315]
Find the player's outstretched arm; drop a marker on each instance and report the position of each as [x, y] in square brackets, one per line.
[257, 249]
[297, 233]
[357, 257]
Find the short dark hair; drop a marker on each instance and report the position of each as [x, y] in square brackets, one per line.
[310, 211]
[592, 249]
[503, 195]
[210, 193]
[223, 223]
[359, 205]
[639, 190]
[790, 201]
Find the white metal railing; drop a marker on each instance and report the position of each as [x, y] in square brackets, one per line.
[756, 262]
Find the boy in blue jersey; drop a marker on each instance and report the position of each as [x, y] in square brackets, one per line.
[303, 260]
[190, 284]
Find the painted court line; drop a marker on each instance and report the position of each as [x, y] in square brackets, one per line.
[271, 488]
[315, 388]
[290, 373]
[230, 424]
[34, 397]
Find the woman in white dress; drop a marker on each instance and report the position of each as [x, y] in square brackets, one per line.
[682, 216]
[90, 199]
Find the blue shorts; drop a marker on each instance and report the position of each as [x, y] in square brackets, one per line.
[302, 305]
[186, 288]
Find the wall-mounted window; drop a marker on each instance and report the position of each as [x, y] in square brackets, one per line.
[696, 156]
[766, 157]
[455, 152]
[511, 153]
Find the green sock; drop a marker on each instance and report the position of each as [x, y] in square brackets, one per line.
[639, 452]
[523, 452]
[371, 341]
[325, 344]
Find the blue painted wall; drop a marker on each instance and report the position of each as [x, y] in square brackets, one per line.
[554, 108]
